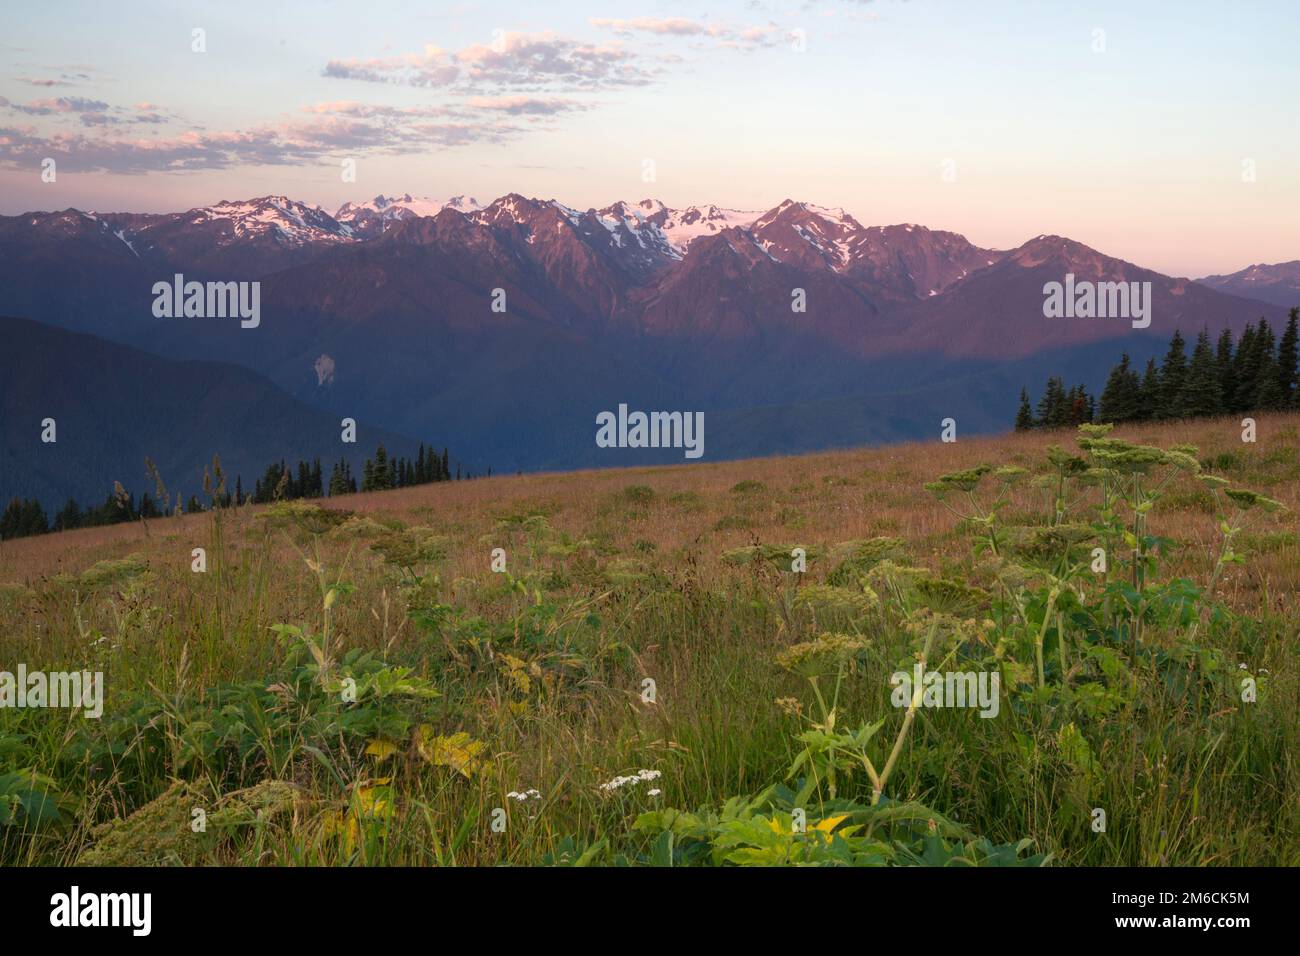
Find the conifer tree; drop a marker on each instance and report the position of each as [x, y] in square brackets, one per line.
[1078, 406]
[1288, 353]
[1051, 407]
[69, 517]
[12, 519]
[1149, 392]
[1025, 415]
[382, 475]
[1245, 370]
[1201, 394]
[1119, 399]
[1173, 379]
[1268, 388]
[1224, 367]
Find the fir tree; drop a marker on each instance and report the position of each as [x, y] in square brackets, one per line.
[1288, 352]
[1268, 376]
[12, 520]
[1025, 414]
[1173, 379]
[383, 477]
[1051, 407]
[1149, 392]
[1119, 399]
[1201, 394]
[1078, 406]
[1224, 368]
[69, 517]
[1245, 370]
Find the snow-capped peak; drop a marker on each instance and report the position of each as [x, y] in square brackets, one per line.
[367, 219]
[284, 219]
[655, 224]
[405, 206]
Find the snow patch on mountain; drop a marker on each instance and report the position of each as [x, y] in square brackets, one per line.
[285, 220]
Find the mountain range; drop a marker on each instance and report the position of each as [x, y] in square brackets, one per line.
[502, 329]
[1278, 283]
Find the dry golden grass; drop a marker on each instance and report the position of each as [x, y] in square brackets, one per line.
[809, 499]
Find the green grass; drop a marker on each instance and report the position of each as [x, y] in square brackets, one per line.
[389, 717]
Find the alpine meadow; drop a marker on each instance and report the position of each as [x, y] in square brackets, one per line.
[442, 442]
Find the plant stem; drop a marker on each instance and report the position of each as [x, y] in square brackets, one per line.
[915, 702]
[1042, 633]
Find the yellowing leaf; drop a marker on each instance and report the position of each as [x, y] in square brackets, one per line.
[460, 751]
[372, 799]
[830, 823]
[381, 749]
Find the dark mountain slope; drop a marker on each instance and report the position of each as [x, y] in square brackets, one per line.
[115, 405]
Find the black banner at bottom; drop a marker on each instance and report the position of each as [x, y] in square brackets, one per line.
[360, 906]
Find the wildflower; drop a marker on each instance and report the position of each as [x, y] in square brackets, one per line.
[831, 603]
[619, 782]
[958, 480]
[655, 792]
[828, 649]
[790, 706]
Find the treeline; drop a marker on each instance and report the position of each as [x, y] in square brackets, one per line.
[1257, 373]
[23, 517]
[379, 474]
[26, 516]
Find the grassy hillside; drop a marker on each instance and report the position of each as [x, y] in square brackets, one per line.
[361, 687]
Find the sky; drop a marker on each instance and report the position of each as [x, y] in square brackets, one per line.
[1161, 133]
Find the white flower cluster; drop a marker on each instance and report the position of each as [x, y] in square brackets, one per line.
[529, 794]
[618, 783]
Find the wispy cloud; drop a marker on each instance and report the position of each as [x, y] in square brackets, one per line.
[531, 105]
[677, 26]
[273, 144]
[60, 104]
[43, 81]
[523, 60]
[724, 35]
